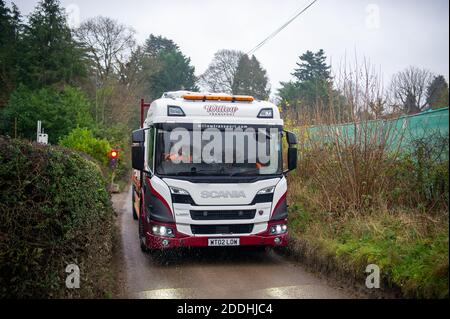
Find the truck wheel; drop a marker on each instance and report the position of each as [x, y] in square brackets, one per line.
[259, 249]
[144, 247]
[281, 250]
[135, 216]
[141, 234]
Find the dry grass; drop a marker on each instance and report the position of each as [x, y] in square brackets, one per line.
[358, 198]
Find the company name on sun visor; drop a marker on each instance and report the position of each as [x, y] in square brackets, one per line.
[221, 110]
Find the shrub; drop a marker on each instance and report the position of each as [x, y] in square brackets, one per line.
[359, 172]
[54, 211]
[82, 139]
[423, 184]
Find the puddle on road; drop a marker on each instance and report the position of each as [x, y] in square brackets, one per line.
[287, 292]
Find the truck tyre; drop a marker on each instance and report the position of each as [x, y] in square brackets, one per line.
[260, 249]
[135, 216]
[281, 250]
[144, 247]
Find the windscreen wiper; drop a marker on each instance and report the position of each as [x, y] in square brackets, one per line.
[252, 171]
[200, 172]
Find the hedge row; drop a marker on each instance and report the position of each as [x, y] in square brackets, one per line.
[54, 211]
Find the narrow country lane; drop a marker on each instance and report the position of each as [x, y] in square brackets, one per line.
[237, 273]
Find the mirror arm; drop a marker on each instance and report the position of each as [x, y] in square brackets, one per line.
[287, 171]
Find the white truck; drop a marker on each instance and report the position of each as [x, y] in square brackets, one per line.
[209, 172]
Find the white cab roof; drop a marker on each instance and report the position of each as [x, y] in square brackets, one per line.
[210, 111]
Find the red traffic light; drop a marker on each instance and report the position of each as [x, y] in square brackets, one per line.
[113, 154]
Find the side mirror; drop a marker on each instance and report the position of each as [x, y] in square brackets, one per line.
[291, 138]
[292, 158]
[137, 157]
[138, 136]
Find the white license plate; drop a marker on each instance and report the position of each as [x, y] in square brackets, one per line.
[223, 241]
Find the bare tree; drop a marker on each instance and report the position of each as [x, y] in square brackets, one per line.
[361, 86]
[221, 73]
[108, 42]
[117, 67]
[409, 88]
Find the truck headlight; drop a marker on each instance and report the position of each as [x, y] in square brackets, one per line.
[278, 229]
[178, 191]
[267, 190]
[163, 231]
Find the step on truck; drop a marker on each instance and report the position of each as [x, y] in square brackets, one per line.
[209, 170]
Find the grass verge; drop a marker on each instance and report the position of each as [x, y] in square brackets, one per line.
[409, 246]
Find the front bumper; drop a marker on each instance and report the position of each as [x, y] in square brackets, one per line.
[156, 242]
[182, 241]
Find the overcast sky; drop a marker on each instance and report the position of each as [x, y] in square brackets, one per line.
[392, 34]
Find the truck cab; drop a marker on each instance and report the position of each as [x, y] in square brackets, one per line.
[208, 171]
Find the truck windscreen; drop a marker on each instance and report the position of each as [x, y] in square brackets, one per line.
[218, 151]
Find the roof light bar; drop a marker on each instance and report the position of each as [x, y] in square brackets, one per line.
[232, 98]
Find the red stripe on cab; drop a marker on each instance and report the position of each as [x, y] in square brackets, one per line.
[283, 197]
[159, 196]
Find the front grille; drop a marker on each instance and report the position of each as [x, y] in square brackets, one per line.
[222, 214]
[221, 229]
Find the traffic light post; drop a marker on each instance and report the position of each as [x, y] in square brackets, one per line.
[113, 156]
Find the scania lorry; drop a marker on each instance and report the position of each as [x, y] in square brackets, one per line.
[210, 170]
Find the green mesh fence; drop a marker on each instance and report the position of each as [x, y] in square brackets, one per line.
[404, 132]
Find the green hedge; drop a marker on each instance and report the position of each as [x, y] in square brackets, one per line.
[54, 211]
[82, 139]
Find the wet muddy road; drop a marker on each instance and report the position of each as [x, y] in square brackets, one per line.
[211, 273]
